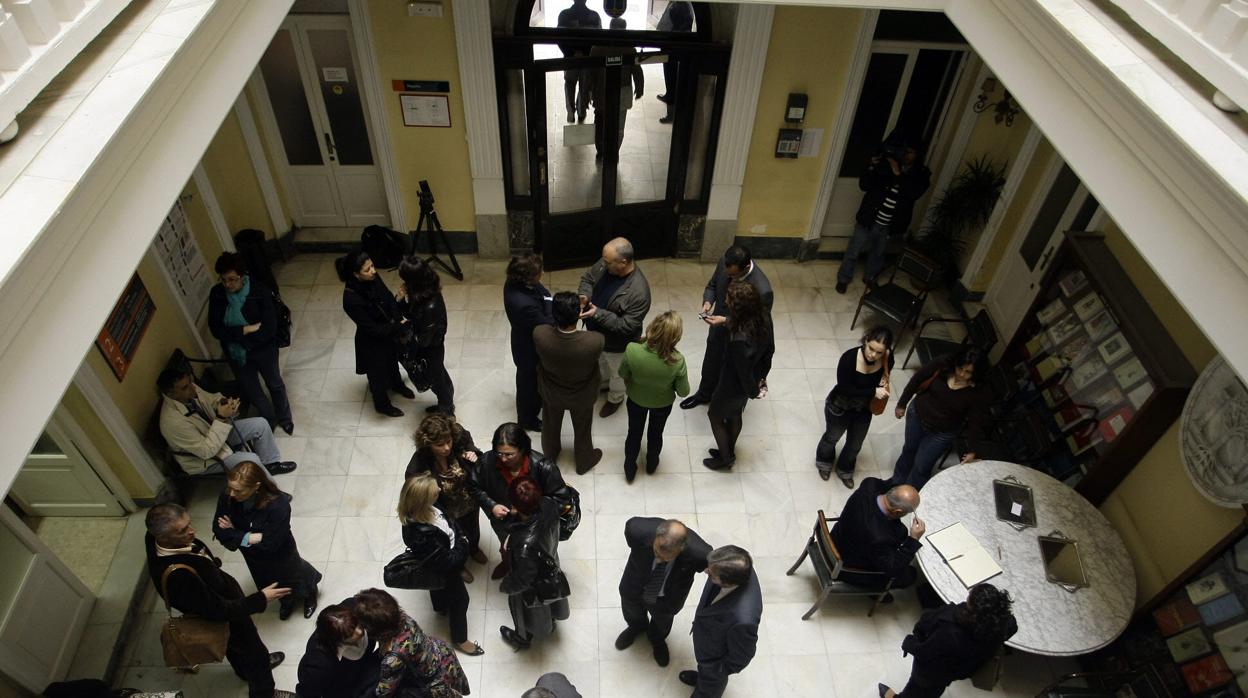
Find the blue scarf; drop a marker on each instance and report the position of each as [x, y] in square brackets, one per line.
[234, 318]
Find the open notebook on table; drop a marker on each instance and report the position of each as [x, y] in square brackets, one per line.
[964, 555]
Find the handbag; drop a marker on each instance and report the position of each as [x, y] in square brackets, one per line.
[879, 403]
[417, 368]
[409, 571]
[188, 641]
[569, 501]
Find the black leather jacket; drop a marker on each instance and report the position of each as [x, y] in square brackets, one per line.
[492, 488]
[426, 539]
[429, 320]
[534, 545]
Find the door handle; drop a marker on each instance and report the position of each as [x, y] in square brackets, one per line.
[329, 146]
[1044, 261]
[541, 174]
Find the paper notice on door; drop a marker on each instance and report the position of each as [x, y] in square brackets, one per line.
[335, 75]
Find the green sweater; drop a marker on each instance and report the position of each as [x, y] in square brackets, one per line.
[651, 381]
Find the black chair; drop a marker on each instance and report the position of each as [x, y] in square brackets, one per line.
[979, 332]
[896, 302]
[826, 560]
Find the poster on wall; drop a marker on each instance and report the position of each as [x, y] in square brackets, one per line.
[426, 110]
[188, 272]
[119, 338]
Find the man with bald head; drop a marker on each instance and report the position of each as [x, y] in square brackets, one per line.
[871, 536]
[664, 556]
[615, 298]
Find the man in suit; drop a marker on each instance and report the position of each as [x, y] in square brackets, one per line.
[552, 685]
[568, 377]
[203, 433]
[725, 626]
[871, 536]
[204, 590]
[736, 265]
[663, 557]
[527, 303]
[615, 298]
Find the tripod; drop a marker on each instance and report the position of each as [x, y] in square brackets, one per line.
[429, 223]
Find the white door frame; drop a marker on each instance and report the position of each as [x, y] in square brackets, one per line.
[364, 54]
[65, 422]
[1022, 162]
[255, 152]
[115, 423]
[208, 195]
[955, 154]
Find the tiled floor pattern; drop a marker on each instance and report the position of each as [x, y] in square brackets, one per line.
[351, 462]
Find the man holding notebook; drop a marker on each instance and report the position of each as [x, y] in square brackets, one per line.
[870, 534]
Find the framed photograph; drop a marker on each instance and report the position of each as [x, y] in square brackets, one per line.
[1130, 373]
[1086, 373]
[1088, 306]
[1100, 325]
[1139, 395]
[1077, 349]
[1064, 329]
[1072, 283]
[426, 110]
[1114, 348]
[1051, 312]
[1105, 395]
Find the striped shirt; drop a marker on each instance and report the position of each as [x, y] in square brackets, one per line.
[888, 206]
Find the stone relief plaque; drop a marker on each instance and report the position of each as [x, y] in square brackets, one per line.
[1213, 435]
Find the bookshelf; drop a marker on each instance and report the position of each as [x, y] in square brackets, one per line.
[1100, 366]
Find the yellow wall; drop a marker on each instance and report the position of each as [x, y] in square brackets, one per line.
[998, 144]
[201, 225]
[423, 48]
[103, 442]
[136, 396]
[234, 180]
[1174, 525]
[1012, 218]
[778, 194]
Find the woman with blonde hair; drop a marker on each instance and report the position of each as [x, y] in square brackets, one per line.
[654, 374]
[253, 517]
[436, 538]
[444, 450]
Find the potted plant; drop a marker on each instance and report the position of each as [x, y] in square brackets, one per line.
[963, 208]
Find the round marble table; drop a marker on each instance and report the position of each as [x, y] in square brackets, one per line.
[1051, 620]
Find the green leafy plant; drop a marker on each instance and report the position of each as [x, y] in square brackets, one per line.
[962, 209]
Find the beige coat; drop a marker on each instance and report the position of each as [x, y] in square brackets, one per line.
[195, 443]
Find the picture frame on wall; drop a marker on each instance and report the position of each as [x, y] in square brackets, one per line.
[1114, 348]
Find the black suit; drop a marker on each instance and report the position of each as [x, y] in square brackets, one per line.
[656, 619]
[725, 634]
[868, 539]
[323, 675]
[217, 596]
[527, 307]
[946, 651]
[717, 337]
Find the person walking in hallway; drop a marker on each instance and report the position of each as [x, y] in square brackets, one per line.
[615, 298]
[568, 378]
[632, 86]
[379, 328]
[725, 626]
[947, 399]
[527, 303]
[736, 264]
[576, 103]
[678, 17]
[242, 315]
[861, 375]
[663, 557]
[654, 374]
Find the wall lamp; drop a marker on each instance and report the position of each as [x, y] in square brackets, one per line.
[1006, 108]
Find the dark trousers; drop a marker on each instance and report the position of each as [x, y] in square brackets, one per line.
[470, 524]
[922, 449]
[439, 380]
[670, 69]
[528, 403]
[262, 363]
[855, 423]
[249, 658]
[874, 240]
[381, 380]
[712, 361]
[582, 432]
[907, 577]
[637, 416]
[726, 422]
[712, 681]
[656, 624]
[917, 688]
[452, 600]
[576, 104]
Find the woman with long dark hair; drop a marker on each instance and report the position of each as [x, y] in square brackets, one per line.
[424, 307]
[946, 400]
[434, 537]
[445, 450]
[861, 376]
[253, 517]
[242, 315]
[952, 642]
[537, 590]
[747, 362]
[379, 329]
[511, 457]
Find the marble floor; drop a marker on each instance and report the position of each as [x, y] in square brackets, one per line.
[351, 462]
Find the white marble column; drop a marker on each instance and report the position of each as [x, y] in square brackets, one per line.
[745, 78]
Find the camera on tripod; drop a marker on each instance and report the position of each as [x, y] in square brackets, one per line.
[425, 195]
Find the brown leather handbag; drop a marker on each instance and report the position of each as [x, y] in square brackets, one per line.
[879, 403]
[189, 641]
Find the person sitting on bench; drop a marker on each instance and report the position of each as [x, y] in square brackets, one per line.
[201, 429]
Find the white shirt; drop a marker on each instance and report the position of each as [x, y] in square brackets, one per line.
[444, 526]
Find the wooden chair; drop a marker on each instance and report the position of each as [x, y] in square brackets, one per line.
[896, 302]
[979, 332]
[826, 560]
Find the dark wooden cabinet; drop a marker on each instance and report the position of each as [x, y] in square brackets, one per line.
[1095, 360]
